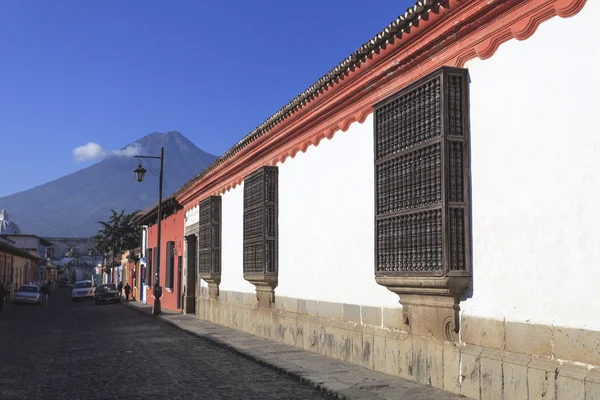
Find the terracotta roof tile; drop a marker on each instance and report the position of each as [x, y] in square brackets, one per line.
[354, 60]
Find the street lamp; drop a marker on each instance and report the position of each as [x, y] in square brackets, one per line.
[139, 176]
[139, 173]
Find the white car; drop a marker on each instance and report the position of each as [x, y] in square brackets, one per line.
[29, 294]
[82, 290]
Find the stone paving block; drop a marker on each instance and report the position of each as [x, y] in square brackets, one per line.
[289, 336]
[329, 340]
[452, 367]
[330, 311]
[393, 318]
[312, 308]
[351, 313]
[435, 363]
[301, 307]
[357, 349]
[419, 360]
[391, 356]
[579, 345]
[570, 383]
[371, 316]
[484, 332]
[277, 326]
[379, 352]
[515, 375]
[368, 343]
[592, 384]
[526, 338]
[541, 378]
[470, 371]
[491, 377]
[405, 357]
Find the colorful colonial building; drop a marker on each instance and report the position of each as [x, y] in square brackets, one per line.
[427, 209]
[171, 254]
[17, 266]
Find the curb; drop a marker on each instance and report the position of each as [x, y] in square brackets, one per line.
[306, 377]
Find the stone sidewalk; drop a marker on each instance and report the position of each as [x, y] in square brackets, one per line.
[337, 378]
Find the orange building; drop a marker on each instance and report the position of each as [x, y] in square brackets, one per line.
[171, 254]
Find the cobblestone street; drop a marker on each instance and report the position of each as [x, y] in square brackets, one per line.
[83, 351]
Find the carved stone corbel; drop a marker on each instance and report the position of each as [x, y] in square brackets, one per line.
[430, 304]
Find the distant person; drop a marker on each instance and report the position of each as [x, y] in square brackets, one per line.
[1, 295]
[45, 291]
[120, 287]
[127, 291]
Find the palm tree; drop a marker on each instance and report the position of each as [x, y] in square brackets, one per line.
[117, 234]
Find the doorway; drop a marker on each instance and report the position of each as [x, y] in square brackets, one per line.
[179, 283]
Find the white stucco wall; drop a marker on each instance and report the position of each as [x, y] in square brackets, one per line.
[191, 216]
[536, 176]
[326, 222]
[536, 183]
[232, 242]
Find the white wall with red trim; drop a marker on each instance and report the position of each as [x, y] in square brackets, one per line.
[326, 222]
[535, 140]
[232, 242]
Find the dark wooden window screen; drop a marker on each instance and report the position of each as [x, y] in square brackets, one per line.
[209, 237]
[169, 265]
[260, 222]
[155, 264]
[422, 178]
[149, 263]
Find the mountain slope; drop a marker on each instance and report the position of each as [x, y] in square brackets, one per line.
[71, 206]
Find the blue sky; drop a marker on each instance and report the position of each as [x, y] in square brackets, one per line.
[112, 71]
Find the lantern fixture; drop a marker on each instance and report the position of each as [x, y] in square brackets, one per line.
[139, 173]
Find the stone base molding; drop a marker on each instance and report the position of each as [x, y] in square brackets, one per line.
[489, 361]
[189, 304]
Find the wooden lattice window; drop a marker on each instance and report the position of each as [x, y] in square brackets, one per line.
[422, 178]
[169, 265]
[209, 238]
[149, 264]
[260, 222]
[155, 266]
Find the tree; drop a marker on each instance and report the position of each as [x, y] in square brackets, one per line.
[117, 235]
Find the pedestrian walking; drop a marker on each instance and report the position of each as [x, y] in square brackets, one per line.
[120, 287]
[44, 291]
[127, 291]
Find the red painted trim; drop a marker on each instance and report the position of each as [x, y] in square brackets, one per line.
[450, 36]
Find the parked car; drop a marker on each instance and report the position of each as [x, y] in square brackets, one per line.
[82, 290]
[107, 292]
[63, 283]
[29, 294]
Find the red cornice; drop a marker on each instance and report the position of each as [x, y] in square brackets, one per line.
[448, 36]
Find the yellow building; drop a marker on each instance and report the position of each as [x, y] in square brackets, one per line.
[17, 266]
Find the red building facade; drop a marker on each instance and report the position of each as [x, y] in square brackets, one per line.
[171, 254]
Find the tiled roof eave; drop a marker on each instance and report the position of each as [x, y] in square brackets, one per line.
[169, 206]
[15, 251]
[395, 29]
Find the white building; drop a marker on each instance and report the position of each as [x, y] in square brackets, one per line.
[444, 164]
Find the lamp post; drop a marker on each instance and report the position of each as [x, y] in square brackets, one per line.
[139, 176]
